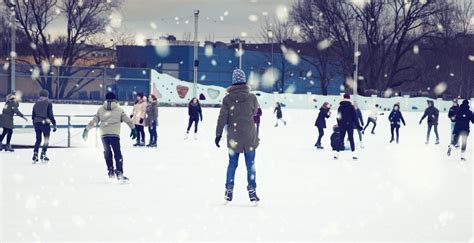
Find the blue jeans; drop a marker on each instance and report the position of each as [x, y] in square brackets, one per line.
[233, 163]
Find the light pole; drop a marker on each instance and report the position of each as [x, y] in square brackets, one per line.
[270, 38]
[12, 47]
[196, 61]
[240, 53]
[356, 63]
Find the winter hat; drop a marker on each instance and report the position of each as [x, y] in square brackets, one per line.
[465, 102]
[11, 96]
[44, 93]
[140, 94]
[347, 96]
[238, 77]
[110, 96]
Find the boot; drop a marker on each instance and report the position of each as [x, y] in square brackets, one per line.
[253, 195]
[111, 174]
[121, 177]
[8, 148]
[463, 156]
[449, 150]
[229, 194]
[43, 157]
[186, 136]
[336, 156]
[35, 157]
[391, 140]
[437, 141]
[354, 156]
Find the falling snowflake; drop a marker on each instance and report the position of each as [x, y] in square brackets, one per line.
[282, 13]
[324, 44]
[208, 51]
[162, 47]
[440, 88]
[416, 49]
[290, 55]
[140, 40]
[269, 77]
[253, 18]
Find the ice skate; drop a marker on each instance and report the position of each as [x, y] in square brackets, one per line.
[44, 158]
[449, 150]
[319, 147]
[111, 174]
[229, 194]
[8, 148]
[361, 145]
[437, 142]
[391, 140]
[336, 156]
[354, 156]
[35, 158]
[253, 197]
[122, 179]
[463, 157]
[186, 136]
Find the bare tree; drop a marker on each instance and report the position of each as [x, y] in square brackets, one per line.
[84, 20]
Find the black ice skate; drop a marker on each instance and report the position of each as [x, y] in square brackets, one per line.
[437, 142]
[449, 150]
[8, 148]
[111, 174]
[253, 196]
[391, 140]
[35, 158]
[229, 195]
[319, 147]
[44, 158]
[122, 179]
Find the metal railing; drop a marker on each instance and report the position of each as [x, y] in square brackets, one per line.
[69, 126]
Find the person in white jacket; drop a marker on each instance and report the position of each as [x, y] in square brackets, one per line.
[374, 113]
[138, 117]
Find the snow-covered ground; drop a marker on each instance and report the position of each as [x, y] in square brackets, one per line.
[405, 192]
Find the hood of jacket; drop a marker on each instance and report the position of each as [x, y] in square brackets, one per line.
[110, 105]
[345, 102]
[239, 93]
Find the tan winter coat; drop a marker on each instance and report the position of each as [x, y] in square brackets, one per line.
[237, 111]
[139, 113]
[109, 117]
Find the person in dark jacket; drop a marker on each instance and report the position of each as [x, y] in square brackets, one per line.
[42, 117]
[195, 114]
[324, 113]
[463, 118]
[238, 109]
[346, 118]
[432, 115]
[6, 120]
[151, 119]
[360, 120]
[396, 118]
[336, 143]
[279, 114]
[452, 116]
[256, 119]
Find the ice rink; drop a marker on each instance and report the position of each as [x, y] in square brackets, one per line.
[405, 192]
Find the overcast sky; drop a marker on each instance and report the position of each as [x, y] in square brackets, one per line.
[137, 15]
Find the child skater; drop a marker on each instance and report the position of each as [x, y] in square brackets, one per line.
[42, 117]
[138, 118]
[324, 113]
[195, 114]
[151, 120]
[374, 113]
[336, 143]
[396, 118]
[6, 120]
[109, 117]
[464, 116]
[432, 113]
[237, 111]
[279, 114]
[256, 119]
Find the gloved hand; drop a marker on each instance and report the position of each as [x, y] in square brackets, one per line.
[85, 134]
[54, 128]
[217, 140]
[141, 121]
[133, 134]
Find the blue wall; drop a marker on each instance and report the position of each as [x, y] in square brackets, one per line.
[226, 61]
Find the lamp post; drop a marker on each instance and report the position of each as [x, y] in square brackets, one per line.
[270, 38]
[12, 46]
[196, 61]
[356, 63]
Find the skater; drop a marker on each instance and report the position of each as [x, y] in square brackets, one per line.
[464, 116]
[109, 117]
[374, 113]
[320, 123]
[346, 119]
[138, 118]
[256, 119]
[279, 114]
[452, 116]
[360, 120]
[151, 120]
[195, 114]
[433, 114]
[396, 118]
[336, 143]
[6, 121]
[237, 111]
[43, 118]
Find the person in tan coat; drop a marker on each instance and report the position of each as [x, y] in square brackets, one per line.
[109, 117]
[138, 117]
[238, 109]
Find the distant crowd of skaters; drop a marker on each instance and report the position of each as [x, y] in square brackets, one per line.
[239, 115]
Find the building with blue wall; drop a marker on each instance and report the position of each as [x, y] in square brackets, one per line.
[218, 60]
